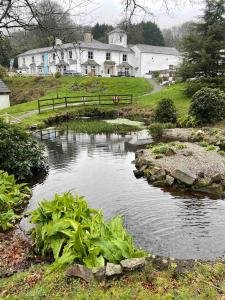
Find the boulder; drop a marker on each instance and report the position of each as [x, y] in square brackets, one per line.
[217, 178]
[160, 174]
[169, 180]
[138, 173]
[159, 183]
[154, 170]
[80, 271]
[133, 264]
[184, 176]
[113, 270]
[99, 273]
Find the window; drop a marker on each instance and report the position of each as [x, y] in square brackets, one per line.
[124, 57]
[126, 70]
[86, 70]
[120, 38]
[33, 59]
[108, 56]
[43, 58]
[90, 55]
[24, 60]
[53, 56]
[62, 55]
[70, 54]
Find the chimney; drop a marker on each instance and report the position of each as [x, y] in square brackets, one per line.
[58, 42]
[88, 38]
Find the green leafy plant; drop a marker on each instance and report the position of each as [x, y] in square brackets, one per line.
[165, 111]
[156, 130]
[58, 75]
[211, 148]
[20, 154]
[204, 144]
[13, 197]
[69, 231]
[208, 105]
[187, 121]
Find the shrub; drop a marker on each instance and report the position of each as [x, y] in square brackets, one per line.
[20, 154]
[208, 105]
[69, 231]
[3, 72]
[165, 111]
[58, 75]
[13, 197]
[194, 86]
[156, 130]
[187, 121]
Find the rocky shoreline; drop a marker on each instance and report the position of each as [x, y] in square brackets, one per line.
[186, 166]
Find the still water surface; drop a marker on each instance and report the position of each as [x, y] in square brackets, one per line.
[100, 168]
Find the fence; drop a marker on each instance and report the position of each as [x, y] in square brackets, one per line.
[67, 101]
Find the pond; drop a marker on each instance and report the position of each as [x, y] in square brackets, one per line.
[100, 167]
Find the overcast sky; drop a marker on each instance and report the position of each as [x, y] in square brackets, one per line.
[111, 12]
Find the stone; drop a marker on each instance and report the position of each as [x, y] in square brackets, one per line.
[158, 156]
[169, 180]
[217, 178]
[80, 271]
[154, 170]
[159, 183]
[184, 176]
[170, 152]
[139, 153]
[138, 173]
[133, 264]
[99, 273]
[160, 175]
[113, 270]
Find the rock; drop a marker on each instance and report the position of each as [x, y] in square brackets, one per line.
[99, 273]
[158, 156]
[169, 180]
[138, 153]
[159, 183]
[201, 174]
[160, 175]
[154, 170]
[113, 270]
[184, 176]
[170, 152]
[80, 271]
[133, 264]
[138, 173]
[217, 178]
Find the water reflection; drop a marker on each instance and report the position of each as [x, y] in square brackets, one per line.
[163, 222]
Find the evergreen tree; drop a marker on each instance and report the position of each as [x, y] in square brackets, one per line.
[204, 48]
[100, 31]
[152, 34]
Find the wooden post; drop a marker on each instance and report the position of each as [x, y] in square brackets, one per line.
[66, 102]
[39, 108]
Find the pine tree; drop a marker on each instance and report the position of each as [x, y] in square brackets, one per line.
[204, 48]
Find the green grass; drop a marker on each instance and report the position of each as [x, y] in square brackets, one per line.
[174, 92]
[29, 89]
[203, 282]
[97, 127]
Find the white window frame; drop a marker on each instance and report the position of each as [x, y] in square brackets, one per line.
[90, 55]
[124, 57]
[70, 54]
[62, 55]
[33, 61]
[108, 56]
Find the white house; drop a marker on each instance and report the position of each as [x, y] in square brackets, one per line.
[4, 95]
[91, 57]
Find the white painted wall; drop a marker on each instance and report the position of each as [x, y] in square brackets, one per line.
[4, 101]
[118, 38]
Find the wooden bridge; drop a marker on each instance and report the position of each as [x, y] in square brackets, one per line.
[69, 101]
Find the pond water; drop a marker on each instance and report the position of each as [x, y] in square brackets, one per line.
[100, 168]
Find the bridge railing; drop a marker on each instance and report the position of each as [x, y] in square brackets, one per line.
[68, 101]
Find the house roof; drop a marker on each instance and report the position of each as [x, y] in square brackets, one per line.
[3, 88]
[117, 30]
[124, 65]
[157, 49]
[90, 62]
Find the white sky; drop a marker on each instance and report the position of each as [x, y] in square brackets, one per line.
[111, 12]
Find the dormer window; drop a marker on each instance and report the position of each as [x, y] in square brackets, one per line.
[124, 57]
[90, 55]
[62, 55]
[108, 56]
[70, 54]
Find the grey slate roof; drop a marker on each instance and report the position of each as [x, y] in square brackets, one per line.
[157, 49]
[95, 45]
[117, 30]
[3, 88]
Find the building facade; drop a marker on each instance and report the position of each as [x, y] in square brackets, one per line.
[4, 95]
[93, 58]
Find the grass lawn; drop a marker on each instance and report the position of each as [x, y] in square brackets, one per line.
[174, 92]
[205, 281]
[29, 89]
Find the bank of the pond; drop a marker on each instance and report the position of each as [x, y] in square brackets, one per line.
[171, 281]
